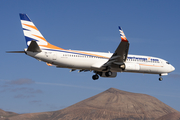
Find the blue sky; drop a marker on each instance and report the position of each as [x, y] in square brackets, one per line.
[27, 85]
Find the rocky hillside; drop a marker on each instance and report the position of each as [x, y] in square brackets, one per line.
[112, 104]
[5, 114]
[170, 116]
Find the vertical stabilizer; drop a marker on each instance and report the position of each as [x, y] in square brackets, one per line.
[31, 33]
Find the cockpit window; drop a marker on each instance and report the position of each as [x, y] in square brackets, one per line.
[167, 62]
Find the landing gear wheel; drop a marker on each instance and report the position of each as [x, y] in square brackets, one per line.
[95, 77]
[108, 73]
[160, 79]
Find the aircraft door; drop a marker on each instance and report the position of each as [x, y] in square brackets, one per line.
[54, 56]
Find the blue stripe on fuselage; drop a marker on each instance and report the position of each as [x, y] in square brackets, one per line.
[143, 59]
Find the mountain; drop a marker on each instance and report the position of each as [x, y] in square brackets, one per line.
[5, 114]
[112, 104]
[170, 116]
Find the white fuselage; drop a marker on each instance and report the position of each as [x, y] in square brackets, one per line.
[79, 60]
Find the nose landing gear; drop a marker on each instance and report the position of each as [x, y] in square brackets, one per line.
[160, 78]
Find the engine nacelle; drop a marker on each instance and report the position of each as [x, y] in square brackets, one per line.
[113, 75]
[130, 67]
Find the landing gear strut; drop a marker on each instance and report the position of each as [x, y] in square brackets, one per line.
[160, 78]
[95, 77]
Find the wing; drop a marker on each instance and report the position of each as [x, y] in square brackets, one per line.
[120, 55]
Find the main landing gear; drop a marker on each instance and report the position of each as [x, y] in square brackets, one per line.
[106, 74]
[95, 77]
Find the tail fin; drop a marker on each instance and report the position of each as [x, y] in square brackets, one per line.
[31, 33]
[123, 37]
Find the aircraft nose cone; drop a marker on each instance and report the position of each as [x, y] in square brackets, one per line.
[172, 68]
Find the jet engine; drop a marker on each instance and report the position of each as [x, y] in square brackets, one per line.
[129, 67]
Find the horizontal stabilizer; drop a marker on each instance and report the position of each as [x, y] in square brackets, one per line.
[15, 52]
[34, 47]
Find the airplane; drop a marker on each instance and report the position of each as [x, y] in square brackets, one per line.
[101, 63]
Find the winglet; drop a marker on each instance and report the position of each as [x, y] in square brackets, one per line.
[123, 37]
